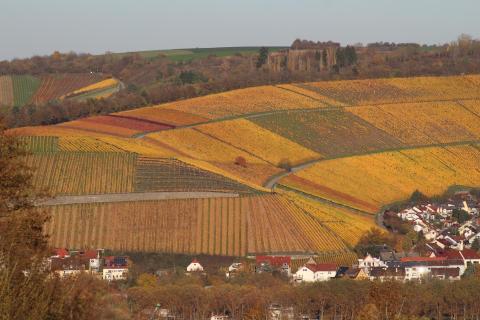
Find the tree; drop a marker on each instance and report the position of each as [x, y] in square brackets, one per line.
[285, 164]
[476, 244]
[240, 161]
[350, 55]
[460, 215]
[262, 57]
[325, 58]
[374, 240]
[27, 291]
[417, 197]
[369, 312]
[340, 56]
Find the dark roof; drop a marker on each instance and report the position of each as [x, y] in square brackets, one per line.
[387, 272]
[274, 261]
[69, 263]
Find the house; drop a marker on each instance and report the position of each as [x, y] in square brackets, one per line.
[60, 253]
[234, 269]
[446, 273]
[68, 265]
[195, 266]
[353, 274]
[314, 272]
[387, 273]
[421, 267]
[115, 268]
[470, 256]
[267, 264]
[112, 273]
[370, 262]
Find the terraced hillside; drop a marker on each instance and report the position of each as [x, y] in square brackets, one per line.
[335, 151]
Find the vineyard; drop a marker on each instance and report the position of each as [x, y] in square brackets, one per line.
[162, 114]
[331, 132]
[398, 90]
[156, 174]
[116, 125]
[424, 123]
[245, 101]
[197, 145]
[65, 173]
[368, 182]
[56, 86]
[24, 87]
[40, 144]
[216, 226]
[354, 146]
[98, 86]
[251, 138]
[85, 144]
[347, 224]
[6, 91]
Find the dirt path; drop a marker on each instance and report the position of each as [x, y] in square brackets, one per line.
[125, 197]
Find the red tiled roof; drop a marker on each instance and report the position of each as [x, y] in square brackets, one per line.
[415, 259]
[61, 252]
[322, 267]
[451, 254]
[470, 254]
[90, 254]
[274, 261]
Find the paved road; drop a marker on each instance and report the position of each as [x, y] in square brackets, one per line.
[273, 180]
[125, 197]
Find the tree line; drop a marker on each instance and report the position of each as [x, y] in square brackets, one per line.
[155, 80]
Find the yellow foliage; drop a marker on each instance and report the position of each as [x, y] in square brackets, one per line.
[96, 86]
[370, 181]
[264, 144]
[347, 224]
[423, 123]
[244, 101]
[85, 144]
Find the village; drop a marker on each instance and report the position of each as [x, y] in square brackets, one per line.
[450, 229]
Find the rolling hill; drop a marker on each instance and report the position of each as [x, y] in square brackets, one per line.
[335, 151]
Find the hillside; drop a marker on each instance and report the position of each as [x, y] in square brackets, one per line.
[336, 152]
[22, 90]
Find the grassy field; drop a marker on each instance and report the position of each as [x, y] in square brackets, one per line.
[180, 55]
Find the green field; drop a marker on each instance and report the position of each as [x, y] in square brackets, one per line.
[198, 53]
[24, 87]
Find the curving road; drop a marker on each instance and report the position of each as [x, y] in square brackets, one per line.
[125, 197]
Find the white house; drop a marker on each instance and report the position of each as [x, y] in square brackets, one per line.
[114, 273]
[370, 262]
[195, 266]
[313, 272]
